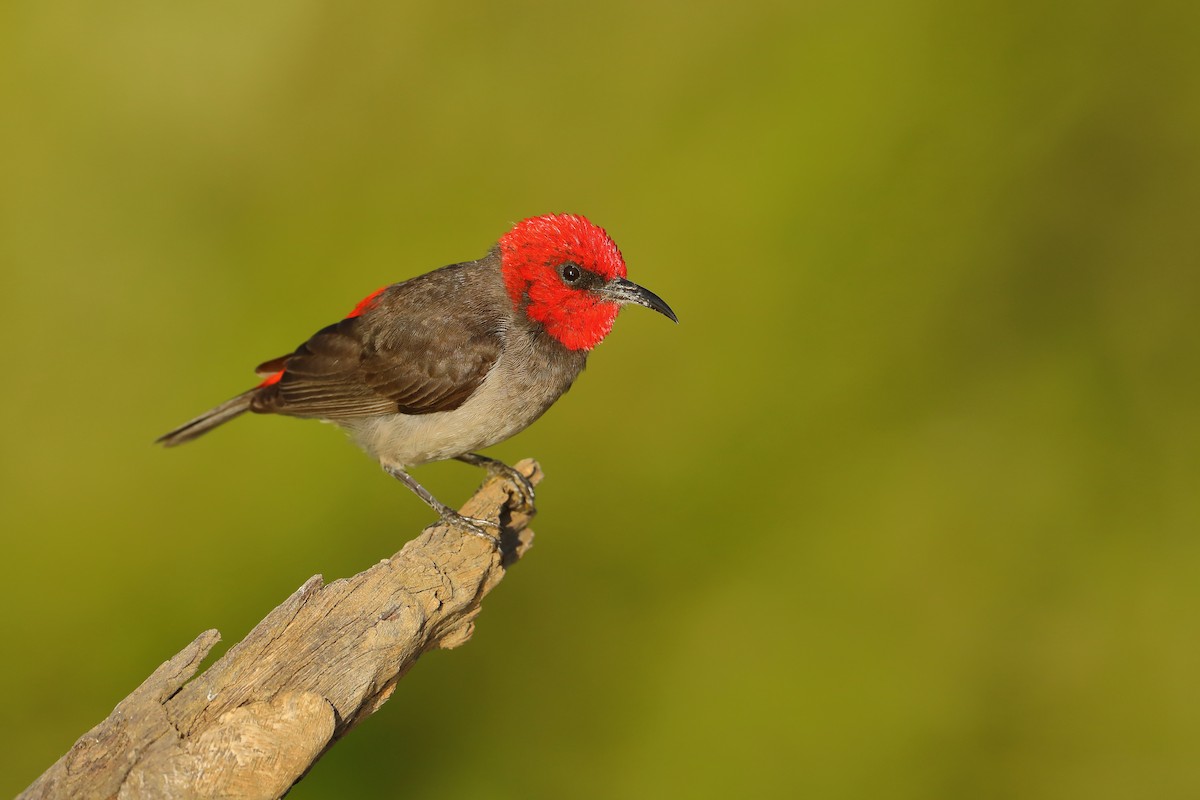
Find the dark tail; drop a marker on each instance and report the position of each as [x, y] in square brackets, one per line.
[208, 420]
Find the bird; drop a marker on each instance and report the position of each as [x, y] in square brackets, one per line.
[455, 360]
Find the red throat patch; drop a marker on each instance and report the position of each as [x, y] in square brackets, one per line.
[531, 254]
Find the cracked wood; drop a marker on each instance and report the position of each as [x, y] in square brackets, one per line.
[328, 657]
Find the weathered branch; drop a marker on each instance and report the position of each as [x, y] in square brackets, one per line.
[254, 722]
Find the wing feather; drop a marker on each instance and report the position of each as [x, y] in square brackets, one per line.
[416, 350]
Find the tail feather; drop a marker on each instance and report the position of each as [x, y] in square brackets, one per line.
[208, 420]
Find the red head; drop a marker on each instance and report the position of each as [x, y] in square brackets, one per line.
[567, 274]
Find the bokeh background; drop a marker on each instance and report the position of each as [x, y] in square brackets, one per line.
[905, 507]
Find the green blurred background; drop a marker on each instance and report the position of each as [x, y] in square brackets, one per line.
[906, 507]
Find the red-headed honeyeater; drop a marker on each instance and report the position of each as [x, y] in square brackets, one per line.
[457, 359]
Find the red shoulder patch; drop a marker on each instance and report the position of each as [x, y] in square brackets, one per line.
[367, 303]
[272, 379]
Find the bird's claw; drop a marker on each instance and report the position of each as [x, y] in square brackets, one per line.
[522, 487]
[474, 526]
[523, 494]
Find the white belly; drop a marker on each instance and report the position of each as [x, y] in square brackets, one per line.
[518, 390]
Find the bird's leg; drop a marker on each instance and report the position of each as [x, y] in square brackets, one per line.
[471, 525]
[514, 476]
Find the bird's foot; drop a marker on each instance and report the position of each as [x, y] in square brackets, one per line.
[473, 525]
[523, 488]
[524, 494]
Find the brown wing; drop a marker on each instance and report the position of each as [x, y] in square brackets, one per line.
[418, 350]
[271, 367]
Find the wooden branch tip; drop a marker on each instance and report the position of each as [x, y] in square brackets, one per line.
[329, 656]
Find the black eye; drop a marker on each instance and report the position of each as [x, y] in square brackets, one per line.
[571, 273]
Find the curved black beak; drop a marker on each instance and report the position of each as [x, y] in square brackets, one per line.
[620, 290]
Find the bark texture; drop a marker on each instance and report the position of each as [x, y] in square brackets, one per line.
[328, 657]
